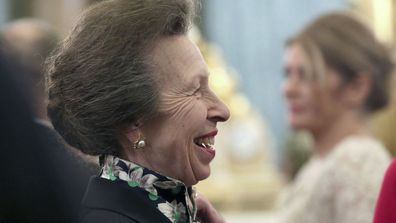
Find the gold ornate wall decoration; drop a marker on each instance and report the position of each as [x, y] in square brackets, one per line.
[381, 16]
[242, 175]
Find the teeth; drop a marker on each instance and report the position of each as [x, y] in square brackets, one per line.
[205, 142]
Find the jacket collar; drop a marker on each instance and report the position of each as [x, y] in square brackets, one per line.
[172, 197]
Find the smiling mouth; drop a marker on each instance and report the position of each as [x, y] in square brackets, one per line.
[205, 142]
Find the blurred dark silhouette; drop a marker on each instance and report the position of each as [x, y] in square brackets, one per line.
[32, 188]
[43, 178]
[29, 41]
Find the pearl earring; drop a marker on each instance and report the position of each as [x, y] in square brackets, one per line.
[140, 143]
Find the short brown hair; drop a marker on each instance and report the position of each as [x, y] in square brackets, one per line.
[99, 78]
[343, 43]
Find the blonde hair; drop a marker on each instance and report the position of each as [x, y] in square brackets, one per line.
[341, 42]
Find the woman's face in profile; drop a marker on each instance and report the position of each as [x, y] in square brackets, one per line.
[180, 140]
[313, 102]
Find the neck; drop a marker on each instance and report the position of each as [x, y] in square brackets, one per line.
[326, 138]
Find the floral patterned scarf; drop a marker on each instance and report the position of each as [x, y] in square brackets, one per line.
[170, 196]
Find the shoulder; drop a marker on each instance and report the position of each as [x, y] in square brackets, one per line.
[104, 216]
[358, 160]
[361, 145]
[390, 177]
[358, 151]
[386, 203]
[392, 169]
[105, 198]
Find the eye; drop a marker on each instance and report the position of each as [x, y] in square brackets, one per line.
[302, 74]
[295, 72]
[286, 72]
[198, 92]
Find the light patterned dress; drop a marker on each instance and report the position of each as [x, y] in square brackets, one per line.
[340, 188]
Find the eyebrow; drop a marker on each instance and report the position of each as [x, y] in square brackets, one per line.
[203, 76]
[198, 79]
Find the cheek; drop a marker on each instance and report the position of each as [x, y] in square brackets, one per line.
[311, 109]
[307, 102]
[326, 109]
[315, 100]
[187, 112]
[185, 118]
[177, 109]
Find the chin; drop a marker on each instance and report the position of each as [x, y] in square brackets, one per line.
[297, 124]
[202, 174]
[190, 182]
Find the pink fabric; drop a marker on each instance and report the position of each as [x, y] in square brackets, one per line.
[386, 205]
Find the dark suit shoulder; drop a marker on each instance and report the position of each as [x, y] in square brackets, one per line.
[104, 216]
[118, 198]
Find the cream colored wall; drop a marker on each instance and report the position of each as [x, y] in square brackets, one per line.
[379, 15]
[62, 14]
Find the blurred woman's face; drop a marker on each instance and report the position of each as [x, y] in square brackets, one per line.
[180, 140]
[313, 103]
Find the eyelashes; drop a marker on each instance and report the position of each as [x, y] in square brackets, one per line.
[299, 72]
[198, 92]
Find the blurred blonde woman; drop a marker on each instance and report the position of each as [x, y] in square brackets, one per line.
[336, 76]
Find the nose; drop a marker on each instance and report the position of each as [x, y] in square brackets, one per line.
[217, 110]
[290, 88]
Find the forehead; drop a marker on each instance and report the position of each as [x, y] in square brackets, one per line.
[295, 55]
[178, 57]
[309, 59]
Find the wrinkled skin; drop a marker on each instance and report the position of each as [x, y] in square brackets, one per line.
[188, 109]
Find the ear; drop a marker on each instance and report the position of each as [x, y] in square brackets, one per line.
[357, 91]
[132, 133]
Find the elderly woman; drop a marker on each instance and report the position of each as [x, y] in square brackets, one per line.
[336, 76]
[128, 85]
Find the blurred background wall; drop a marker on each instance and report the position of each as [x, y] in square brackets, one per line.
[60, 13]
